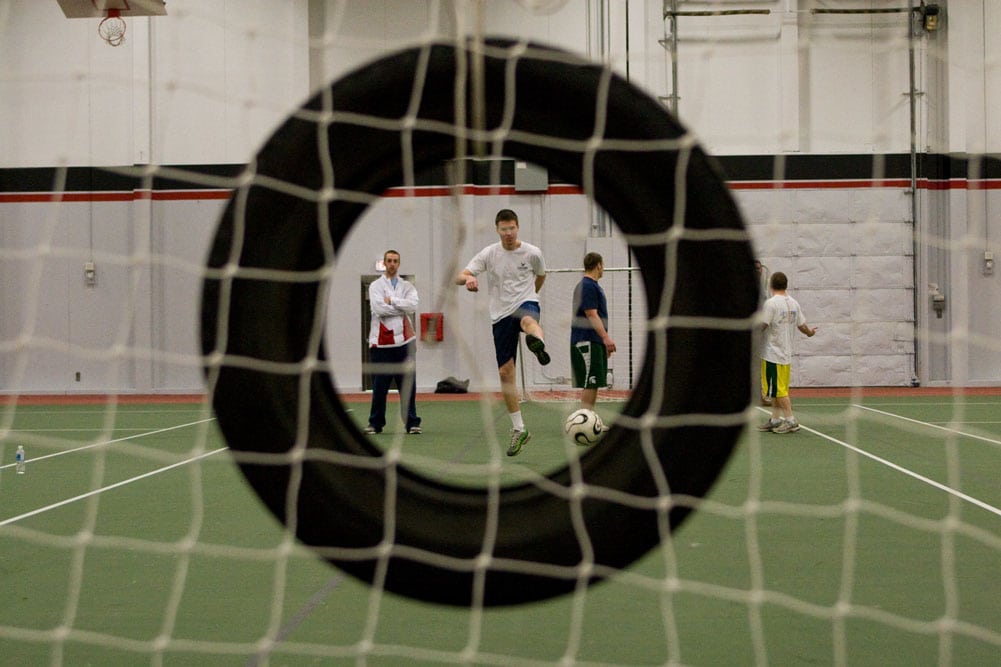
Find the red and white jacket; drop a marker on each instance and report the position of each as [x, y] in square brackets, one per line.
[391, 325]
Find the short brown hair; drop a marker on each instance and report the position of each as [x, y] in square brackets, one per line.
[506, 214]
[390, 252]
[779, 281]
[592, 260]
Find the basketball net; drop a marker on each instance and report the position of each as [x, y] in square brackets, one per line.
[112, 28]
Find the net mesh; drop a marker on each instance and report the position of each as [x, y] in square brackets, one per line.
[133, 538]
[626, 314]
[112, 30]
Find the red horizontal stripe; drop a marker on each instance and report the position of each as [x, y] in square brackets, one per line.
[818, 185]
[169, 195]
[481, 190]
[961, 184]
[65, 196]
[922, 183]
[445, 191]
[99, 399]
[131, 195]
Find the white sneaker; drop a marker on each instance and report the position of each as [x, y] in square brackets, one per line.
[770, 426]
[787, 427]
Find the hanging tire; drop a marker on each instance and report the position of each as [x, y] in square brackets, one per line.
[263, 298]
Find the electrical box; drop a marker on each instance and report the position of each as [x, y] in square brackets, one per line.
[432, 327]
[530, 177]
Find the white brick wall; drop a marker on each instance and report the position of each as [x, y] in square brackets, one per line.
[848, 255]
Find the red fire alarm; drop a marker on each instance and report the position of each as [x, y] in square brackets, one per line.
[432, 327]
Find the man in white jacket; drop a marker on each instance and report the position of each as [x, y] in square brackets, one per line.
[392, 343]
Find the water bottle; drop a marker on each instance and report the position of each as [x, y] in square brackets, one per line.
[19, 458]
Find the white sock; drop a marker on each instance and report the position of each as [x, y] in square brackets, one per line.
[517, 423]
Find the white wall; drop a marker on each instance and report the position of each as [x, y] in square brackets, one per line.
[204, 85]
[962, 222]
[794, 82]
[209, 82]
[424, 231]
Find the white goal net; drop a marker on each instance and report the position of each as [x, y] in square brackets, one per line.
[627, 318]
[187, 239]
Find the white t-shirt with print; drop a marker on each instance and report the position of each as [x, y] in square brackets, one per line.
[510, 276]
[783, 316]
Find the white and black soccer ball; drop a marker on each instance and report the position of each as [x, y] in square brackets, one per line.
[584, 427]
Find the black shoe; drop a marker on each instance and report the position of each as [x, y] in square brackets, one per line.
[537, 346]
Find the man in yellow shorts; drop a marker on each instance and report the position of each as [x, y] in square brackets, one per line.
[782, 316]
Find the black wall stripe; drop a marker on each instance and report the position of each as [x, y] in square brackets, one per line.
[794, 167]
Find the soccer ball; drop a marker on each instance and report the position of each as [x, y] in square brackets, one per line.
[584, 427]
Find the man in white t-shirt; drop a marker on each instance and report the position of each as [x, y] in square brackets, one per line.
[515, 272]
[782, 317]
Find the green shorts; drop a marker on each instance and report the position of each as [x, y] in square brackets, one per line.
[775, 379]
[589, 363]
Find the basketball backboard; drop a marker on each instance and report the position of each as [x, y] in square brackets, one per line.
[84, 9]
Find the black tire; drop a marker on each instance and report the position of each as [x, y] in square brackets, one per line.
[438, 531]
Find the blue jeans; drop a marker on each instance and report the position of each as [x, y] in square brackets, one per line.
[405, 381]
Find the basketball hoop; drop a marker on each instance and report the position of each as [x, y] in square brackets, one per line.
[112, 28]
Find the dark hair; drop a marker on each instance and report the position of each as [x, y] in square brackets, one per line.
[779, 281]
[505, 214]
[390, 252]
[592, 260]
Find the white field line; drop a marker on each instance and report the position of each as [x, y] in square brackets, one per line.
[116, 485]
[910, 473]
[83, 496]
[111, 442]
[993, 441]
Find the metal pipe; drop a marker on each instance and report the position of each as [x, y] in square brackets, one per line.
[915, 246]
[715, 12]
[670, 42]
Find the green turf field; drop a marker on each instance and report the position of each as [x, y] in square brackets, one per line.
[872, 536]
[462, 438]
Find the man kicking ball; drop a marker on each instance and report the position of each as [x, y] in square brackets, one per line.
[515, 271]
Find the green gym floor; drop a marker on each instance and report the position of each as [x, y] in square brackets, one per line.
[870, 537]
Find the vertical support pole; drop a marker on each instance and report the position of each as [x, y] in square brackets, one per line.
[912, 99]
[790, 139]
[670, 43]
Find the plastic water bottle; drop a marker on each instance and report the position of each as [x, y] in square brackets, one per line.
[19, 458]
